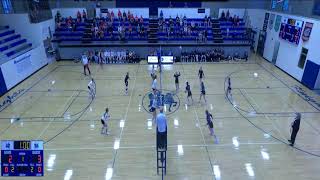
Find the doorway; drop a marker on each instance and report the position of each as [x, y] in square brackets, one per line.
[275, 52]
[261, 41]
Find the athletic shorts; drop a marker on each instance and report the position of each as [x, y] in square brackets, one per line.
[102, 122]
[126, 83]
[189, 94]
[203, 92]
[152, 109]
[210, 124]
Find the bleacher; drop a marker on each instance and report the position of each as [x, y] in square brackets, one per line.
[11, 43]
[67, 34]
[192, 37]
[235, 33]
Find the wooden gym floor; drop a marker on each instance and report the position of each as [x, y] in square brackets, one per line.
[252, 135]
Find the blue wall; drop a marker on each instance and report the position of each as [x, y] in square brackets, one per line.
[3, 87]
[310, 74]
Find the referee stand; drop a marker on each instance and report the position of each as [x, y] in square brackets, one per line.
[161, 148]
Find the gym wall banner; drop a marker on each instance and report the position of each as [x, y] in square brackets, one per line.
[277, 23]
[307, 31]
[271, 20]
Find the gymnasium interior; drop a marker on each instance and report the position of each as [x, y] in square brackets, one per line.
[155, 89]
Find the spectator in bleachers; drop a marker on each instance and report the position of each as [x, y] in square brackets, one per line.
[124, 16]
[142, 31]
[130, 30]
[79, 15]
[96, 29]
[193, 26]
[112, 16]
[223, 16]
[58, 17]
[119, 15]
[161, 15]
[84, 15]
[228, 15]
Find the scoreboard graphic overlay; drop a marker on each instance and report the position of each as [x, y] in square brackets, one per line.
[21, 158]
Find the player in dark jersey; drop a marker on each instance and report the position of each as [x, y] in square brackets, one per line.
[200, 74]
[202, 92]
[176, 81]
[209, 122]
[126, 82]
[188, 91]
[229, 88]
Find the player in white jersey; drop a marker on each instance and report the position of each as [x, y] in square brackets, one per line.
[92, 88]
[104, 121]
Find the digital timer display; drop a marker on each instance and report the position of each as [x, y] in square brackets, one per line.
[21, 158]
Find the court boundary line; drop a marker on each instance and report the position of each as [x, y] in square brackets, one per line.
[261, 129]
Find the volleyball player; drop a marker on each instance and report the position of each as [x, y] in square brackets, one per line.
[154, 83]
[154, 105]
[229, 88]
[85, 63]
[126, 82]
[200, 74]
[104, 121]
[91, 87]
[176, 76]
[209, 122]
[202, 92]
[188, 91]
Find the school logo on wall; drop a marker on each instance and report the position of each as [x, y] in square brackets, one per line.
[277, 23]
[307, 31]
[271, 20]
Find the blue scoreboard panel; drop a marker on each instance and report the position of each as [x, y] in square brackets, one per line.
[21, 158]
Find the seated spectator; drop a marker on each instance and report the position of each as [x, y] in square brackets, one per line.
[177, 20]
[142, 30]
[170, 20]
[141, 20]
[130, 30]
[101, 34]
[206, 21]
[124, 16]
[119, 31]
[193, 26]
[96, 29]
[139, 30]
[112, 16]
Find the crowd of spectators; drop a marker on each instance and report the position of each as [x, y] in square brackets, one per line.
[112, 57]
[70, 23]
[227, 17]
[180, 27]
[127, 24]
[214, 55]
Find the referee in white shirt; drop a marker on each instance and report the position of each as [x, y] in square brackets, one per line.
[85, 63]
[161, 130]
